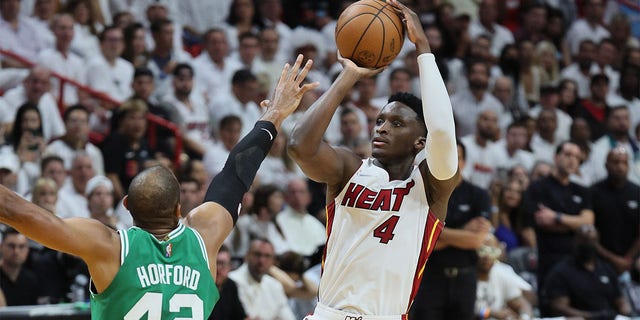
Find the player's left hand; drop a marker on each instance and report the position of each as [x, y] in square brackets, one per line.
[288, 92]
[413, 26]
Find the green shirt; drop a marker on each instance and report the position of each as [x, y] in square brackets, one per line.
[159, 280]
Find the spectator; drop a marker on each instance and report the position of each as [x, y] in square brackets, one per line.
[45, 194]
[134, 46]
[107, 72]
[271, 13]
[239, 100]
[34, 90]
[479, 148]
[89, 24]
[500, 289]
[261, 222]
[508, 219]
[606, 59]
[156, 11]
[62, 60]
[269, 61]
[400, 80]
[615, 206]
[190, 194]
[18, 33]
[229, 307]
[487, 24]
[544, 57]
[72, 197]
[616, 135]
[214, 68]
[629, 95]
[277, 168]
[242, 18]
[303, 232]
[448, 288]
[164, 56]
[28, 144]
[248, 51]
[52, 167]
[504, 91]
[469, 103]
[590, 27]
[301, 289]
[189, 112]
[530, 73]
[555, 208]
[99, 194]
[580, 70]
[569, 100]
[126, 150]
[76, 139]
[18, 283]
[534, 21]
[350, 128]
[229, 133]
[512, 151]
[594, 109]
[365, 90]
[620, 30]
[550, 100]
[543, 143]
[261, 295]
[583, 285]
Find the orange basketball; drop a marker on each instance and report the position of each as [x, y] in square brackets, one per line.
[370, 33]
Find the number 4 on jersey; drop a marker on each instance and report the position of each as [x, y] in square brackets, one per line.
[385, 230]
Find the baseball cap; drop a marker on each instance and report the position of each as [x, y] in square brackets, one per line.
[9, 161]
[95, 182]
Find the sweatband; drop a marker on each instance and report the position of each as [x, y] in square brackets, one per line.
[229, 186]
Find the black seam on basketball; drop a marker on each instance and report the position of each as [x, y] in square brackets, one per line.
[348, 21]
[355, 48]
[401, 34]
[382, 46]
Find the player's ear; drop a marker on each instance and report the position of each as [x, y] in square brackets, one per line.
[178, 211]
[125, 202]
[419, 143]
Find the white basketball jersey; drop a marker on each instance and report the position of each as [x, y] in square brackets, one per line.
[379, 236]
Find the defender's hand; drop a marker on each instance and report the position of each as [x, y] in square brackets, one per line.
[288, 92]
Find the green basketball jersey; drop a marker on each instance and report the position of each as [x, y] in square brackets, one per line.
[159, 280]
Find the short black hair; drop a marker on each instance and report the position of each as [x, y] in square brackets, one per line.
[243, 76]
[228, 120]
[9, 231]
[103, 33]
[599, 78]
[157, 26]
[142, 71]
[75, 107]
[410, 101]
[48, 159]
[182, 66]
[261, 196]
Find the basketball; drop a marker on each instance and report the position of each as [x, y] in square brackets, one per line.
[370, 33]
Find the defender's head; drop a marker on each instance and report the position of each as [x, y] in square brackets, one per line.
[154, 198]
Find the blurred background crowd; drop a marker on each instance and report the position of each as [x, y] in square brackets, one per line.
[545, 94]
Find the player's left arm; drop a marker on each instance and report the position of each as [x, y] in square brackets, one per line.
[215, 218]
[440, 169]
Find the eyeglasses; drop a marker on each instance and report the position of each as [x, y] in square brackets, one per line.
[488, 251]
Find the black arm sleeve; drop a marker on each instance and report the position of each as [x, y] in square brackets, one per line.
[229, 186]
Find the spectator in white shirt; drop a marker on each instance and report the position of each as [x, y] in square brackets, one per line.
[18, 33]
[242, 19]
[302, 231]
[271, 12]
[544, 142]
[34, 90]
[157, 11]
[239, 101]
[511, 152]
[629, 95]
[62, 61]
[76, 139]
[550, 99]
[590, 27]
[197, 16]
[580, 70]
[486, 24]
[214, 69]
[607, 58]
[248, 50]
[215, 156]
[89, 24]
[481, 165]
[500, 289]
[43, 14]
[52, 166]
[261, 295]
[269, 61]
[468, 103]
[72, 201]
[189, 111]
[108, 72]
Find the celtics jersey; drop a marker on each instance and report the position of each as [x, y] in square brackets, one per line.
[158, 280]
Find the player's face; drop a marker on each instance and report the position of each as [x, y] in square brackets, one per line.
[397, 129]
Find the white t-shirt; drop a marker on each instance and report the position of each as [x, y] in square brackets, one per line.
[62, 150]
[503, 285]
[71, 66]
[52, 125]
[115, 80]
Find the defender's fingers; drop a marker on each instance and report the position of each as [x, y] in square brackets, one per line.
[265, 103]
[309, 86]
[295, 68]
[284, 73]
[303, 73]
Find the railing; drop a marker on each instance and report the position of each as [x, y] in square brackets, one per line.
[154, 120]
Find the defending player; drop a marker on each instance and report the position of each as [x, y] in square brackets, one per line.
[384, 213]
[161, 268]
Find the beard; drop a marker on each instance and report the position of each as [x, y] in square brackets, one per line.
[585, 252]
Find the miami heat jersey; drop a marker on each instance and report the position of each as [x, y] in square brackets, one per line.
[379, 236]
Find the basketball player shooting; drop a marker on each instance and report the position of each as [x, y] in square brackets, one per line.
[161, 268]
[384, 214]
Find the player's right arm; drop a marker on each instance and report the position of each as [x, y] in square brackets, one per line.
[95, 243]
[317, 159]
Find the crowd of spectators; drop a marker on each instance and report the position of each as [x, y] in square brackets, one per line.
[545, 94]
